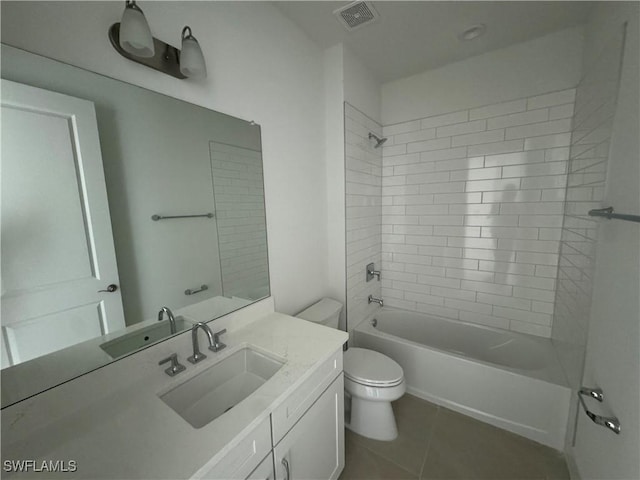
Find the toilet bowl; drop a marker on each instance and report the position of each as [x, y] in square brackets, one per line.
[371, 380]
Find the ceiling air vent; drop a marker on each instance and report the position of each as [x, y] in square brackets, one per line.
[356, 15]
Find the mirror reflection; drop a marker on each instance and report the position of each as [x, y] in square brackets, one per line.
[116, 202]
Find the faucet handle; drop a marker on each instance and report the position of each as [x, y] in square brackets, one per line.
[217, 344]
[175, 367]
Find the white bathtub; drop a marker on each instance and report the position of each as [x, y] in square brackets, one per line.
[510, 380]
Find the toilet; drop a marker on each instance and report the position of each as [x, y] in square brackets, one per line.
[371, 380]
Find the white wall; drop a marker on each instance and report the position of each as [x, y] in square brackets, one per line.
[261, 67]
[361, 89]
[613, 346]
[335, 178]
[530, 68]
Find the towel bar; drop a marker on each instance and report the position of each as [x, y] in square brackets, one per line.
[608, 213]
[612, 423]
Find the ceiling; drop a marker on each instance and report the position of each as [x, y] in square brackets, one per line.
[413, 36]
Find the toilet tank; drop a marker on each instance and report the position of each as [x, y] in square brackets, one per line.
[326, 312]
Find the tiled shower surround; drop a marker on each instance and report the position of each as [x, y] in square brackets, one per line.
[240, 216]
[472, 209]
[363, 170]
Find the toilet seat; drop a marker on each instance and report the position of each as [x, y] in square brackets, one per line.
[371, 368]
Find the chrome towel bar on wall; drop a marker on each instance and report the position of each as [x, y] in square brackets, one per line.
[608, 213]
[156, 217]
[612, 423]
[192, 291]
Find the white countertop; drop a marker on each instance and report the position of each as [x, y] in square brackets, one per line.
[113, 424]
[57, 367]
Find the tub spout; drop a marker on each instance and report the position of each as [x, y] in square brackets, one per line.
[379, 301]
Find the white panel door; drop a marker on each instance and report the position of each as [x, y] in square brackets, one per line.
[57, 243]
[314, 447]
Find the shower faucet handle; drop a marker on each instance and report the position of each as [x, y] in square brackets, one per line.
[371, 272]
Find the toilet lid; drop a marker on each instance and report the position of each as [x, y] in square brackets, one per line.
[371, 368]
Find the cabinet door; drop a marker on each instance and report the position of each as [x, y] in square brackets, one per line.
[264, 471]
[314, 447]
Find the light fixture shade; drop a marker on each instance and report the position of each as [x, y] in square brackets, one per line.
[135, 35]
[191, 57]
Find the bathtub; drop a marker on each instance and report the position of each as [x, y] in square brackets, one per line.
[510, 380]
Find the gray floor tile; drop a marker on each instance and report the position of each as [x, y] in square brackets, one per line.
[464, 448]
[362, 463]
[451, 446]
[415, 419]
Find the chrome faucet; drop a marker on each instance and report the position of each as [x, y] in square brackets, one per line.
[172, 319]
[215, 345]
[373, 299]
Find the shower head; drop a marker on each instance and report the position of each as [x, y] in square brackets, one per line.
[379, 140]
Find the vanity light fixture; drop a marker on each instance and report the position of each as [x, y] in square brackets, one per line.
[191, 59]
[133, 40]
[135, 34]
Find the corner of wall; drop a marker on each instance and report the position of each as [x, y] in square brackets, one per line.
[335, 174]
[361, 88]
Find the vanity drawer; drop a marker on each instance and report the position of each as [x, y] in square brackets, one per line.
[286, 415]
[244, 457]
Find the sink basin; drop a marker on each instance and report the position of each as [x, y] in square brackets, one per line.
[220, 387]
[142, 337]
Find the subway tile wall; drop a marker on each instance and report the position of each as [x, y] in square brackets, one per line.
[238, 189]
[472, 209]
[595, 106]
[363, 174]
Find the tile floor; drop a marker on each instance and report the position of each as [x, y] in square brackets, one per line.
[437, 443]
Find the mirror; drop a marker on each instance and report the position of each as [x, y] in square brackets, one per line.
[86, 269]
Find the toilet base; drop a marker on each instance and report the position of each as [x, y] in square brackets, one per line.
[372, 419]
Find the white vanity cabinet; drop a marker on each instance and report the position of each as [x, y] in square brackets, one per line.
[314, 447]
[264, 471]
[303, 437]
[241, 461]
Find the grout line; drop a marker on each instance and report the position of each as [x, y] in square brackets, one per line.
[426, 452]
[376, 454]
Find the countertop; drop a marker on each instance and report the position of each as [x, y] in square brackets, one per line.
[114, 425]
